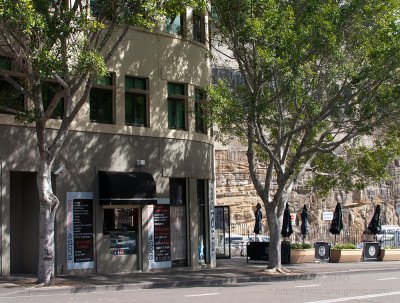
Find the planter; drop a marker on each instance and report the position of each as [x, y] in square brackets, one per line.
[390, 254]
[302, 255]
[345, 255]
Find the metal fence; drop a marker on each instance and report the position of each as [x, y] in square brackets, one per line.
[355, 236]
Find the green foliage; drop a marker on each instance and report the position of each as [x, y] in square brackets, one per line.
[318, 78]
[300, 246]
[344, 246]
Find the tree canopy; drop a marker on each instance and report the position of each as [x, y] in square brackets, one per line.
[319, 79]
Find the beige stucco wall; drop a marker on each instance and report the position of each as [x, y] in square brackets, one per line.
[91, 147]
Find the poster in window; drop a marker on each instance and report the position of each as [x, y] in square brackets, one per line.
[80, 246]
[159, 236]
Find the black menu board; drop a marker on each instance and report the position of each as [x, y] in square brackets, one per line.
[162, 238]
[83, 230]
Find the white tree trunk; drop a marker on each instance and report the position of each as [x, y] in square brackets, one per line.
[275, 225]
[48, 207]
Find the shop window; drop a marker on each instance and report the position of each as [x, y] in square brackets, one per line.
[198, 28]
[136, 101]
[122, 226]
[199, 113]
[48, 91]
[102, 100]
[175, 24]
[176, 106]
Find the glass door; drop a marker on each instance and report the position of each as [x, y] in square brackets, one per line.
[222, 232]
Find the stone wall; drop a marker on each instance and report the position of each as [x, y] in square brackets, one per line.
[234, 188]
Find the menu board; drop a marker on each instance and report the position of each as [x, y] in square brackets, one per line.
[162, 234]
[80, 244]
[83, 230]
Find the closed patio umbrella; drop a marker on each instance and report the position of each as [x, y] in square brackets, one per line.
[375, 224]
[287, 229]
[304, 222]
[258, 216]
[337, 221]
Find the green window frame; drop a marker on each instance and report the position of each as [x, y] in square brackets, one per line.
[5, 63]
[198, 28]
[176, 106]
[102, 100]
[175, 24]
[48, 91]
[11, 99]
[199, 113]
[136, 93]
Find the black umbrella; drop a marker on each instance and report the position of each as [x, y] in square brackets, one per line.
[304, 222]
[258, 216]
[375, 224]
[287, 229]
[337, 221]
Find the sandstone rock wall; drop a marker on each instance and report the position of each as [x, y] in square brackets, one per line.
[234, 188]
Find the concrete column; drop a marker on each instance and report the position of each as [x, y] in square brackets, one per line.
[193, 230]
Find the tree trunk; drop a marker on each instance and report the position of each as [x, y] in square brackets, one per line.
[274, 224]
[48, 207]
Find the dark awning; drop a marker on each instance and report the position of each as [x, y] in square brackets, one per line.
[132, 188]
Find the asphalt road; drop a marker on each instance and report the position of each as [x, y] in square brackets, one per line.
[368, 287]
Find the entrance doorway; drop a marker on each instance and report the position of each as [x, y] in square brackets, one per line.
[24, 221]
[222, 231]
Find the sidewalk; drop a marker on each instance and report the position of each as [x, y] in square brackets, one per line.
[228, 271]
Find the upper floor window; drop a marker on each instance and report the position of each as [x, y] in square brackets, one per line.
[198, 28]
[11, 100]
[175, 24]
[5, 63]
[49, 89]
[199, 113]
[102, 100]
[176, 106]
[136, 93]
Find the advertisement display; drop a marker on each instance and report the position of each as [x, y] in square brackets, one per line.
[211, 199]
[80, 246]
[159, 236]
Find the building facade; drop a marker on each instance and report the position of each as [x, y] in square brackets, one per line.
[135, 175]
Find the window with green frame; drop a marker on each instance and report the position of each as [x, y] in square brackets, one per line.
[5, 63]
[198, 28]
[175, 24]
[176, 106]
[102, 100]
[49, 89]
[199, 115]
[135, 101]
[10, 98]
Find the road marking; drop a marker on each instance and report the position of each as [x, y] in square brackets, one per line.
[311, 285]
[203, 295]
[385, 279]
[357, 298]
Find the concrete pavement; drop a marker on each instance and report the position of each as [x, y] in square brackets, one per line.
[228, 271]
